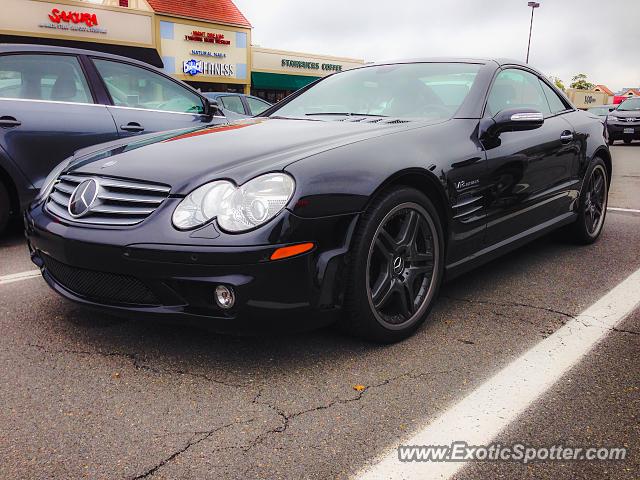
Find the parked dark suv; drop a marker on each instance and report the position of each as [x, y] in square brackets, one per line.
[623, 123]
[56, 100]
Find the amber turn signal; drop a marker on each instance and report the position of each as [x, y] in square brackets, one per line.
[292, 250]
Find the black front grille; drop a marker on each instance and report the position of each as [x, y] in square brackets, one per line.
[118, 202]
[100, 286]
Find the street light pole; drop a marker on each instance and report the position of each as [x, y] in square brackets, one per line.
[533, 6]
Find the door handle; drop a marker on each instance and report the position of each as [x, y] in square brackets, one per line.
[9, 122]
[566, 136]
[132, 127]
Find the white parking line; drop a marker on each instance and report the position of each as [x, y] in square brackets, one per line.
[486, 411]
[618, 209]
[16, 277]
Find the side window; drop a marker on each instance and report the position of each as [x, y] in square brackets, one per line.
[257, 106]
[233, 103]
[43, 77]
[516, 89]
[555, 102]
[136, 87]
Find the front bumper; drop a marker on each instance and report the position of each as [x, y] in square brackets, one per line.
[154, 271]
[616, 130]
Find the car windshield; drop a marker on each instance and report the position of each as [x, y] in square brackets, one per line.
[631, 104]
[414, 90]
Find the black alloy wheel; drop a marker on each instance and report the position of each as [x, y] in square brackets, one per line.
[396, 267]
[400, 264]
[596, 200]
[592, 206]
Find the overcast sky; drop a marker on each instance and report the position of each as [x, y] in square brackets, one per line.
[597, 37]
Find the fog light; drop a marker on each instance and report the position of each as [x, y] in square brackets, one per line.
[225, 298]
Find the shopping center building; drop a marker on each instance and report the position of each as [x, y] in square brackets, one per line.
[206, 43]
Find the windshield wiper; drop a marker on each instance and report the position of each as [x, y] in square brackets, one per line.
[346, 114]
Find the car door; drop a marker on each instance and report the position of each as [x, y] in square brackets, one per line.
[47, 111]
[233, 103]
[530, 171]
[144, 100]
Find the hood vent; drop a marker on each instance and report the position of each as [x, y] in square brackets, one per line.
[397, 120]
[382, 120]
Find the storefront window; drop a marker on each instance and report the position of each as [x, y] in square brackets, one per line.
[136, 87]
[271, 96]
[205, 87]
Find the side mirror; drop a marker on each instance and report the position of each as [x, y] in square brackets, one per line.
[211, 107]
[512, 120]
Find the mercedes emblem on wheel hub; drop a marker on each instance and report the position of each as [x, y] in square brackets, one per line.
[398, 265]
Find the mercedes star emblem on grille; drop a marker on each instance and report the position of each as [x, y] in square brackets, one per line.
[83, 197]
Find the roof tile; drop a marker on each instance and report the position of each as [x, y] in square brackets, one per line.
[224, 11]
[605, 89]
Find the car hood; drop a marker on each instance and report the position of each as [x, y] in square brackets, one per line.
[237, 151]
[626, 113]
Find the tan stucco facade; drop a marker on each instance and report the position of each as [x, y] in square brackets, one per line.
[295, 63]
[207, 54]
[587, 98]
[80, 21]
[204, 52]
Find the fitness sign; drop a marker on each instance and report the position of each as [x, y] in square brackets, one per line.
[200, 67]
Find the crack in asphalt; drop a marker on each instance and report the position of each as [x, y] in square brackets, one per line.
[511, 304]
[622, 330]
[141, 365]
[196, 438]
[200, 436]
[577, 318]
[286, 418]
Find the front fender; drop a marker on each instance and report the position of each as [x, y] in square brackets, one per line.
[344, 180]
[20, 188]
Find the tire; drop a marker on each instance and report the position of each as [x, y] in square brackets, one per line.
[409, 268]
[5, 207]
[627, 140]
[583, 230]
[611, 141]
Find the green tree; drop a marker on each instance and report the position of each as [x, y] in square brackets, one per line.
[558, 82]
[581, 83]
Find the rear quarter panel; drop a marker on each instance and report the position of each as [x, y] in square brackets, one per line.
[591, 133]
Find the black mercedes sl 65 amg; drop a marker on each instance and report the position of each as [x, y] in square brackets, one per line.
[349, 201]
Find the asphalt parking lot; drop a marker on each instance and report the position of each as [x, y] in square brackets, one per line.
[89, 395]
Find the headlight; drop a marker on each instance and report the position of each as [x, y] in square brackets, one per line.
[256, 202]
[237, 208]
[201, 205]
[48, 183]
